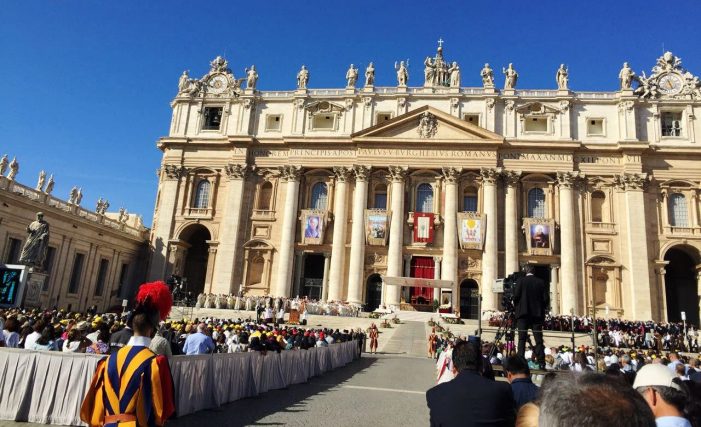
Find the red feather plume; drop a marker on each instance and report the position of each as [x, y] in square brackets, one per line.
[156, 296]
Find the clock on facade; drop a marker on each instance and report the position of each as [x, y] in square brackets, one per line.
[670, 84]
[218, 84]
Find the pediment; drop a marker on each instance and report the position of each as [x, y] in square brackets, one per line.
[427, 124]
[536, 108]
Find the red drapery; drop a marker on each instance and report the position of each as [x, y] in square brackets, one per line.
[422, 268]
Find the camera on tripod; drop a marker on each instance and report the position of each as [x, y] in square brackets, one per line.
[507, 296]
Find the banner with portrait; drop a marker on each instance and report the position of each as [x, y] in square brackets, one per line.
[540, 235]
[376, 226]
[471, 229]
[423, 227]
[313, 226]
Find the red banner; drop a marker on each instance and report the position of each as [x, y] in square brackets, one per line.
[423, 227]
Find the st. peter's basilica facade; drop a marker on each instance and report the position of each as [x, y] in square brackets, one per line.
[348, 194]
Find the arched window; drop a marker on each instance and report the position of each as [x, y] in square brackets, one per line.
[319, 196]
[424, 198]
[202, 195]
[536, 203]
[469, 199]
[380, 197]
[598, 199]
[265, 195]
[678, 210]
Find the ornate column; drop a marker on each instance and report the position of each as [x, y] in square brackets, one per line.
[568, 249]
[637, 244]
[222, 282]
[511, 222]
[396, 234]
[325, 279]
[167, 199]
[338, 245]
[290, 175]
[211, 262]
[450, 226]
[490, 263]
[357, 253]
[554, 288]
[299, 267]
[437, 271]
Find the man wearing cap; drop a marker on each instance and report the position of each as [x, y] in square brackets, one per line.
[664, 394]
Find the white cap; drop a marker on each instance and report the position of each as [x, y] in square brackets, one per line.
[607, 360]
[614, 359]
[655, 375]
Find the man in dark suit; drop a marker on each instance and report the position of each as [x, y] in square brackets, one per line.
[470, 399]
[531, 300]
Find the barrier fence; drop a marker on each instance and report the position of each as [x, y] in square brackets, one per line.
[48, 387]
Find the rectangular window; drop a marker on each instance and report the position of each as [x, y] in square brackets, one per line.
[273, 122]
[535, 124]
[595, 127]
[48, 266]
[123, 277]
[380, 201]
[14, 247]
[382, 117]
[671, 124]
[212, 118]
[76, 273]
[323, 122]
[469, 203]
[472, 118]
[101, 277]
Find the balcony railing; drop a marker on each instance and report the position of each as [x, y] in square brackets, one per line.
[682, 231]
[199, 212]
[263, 215]
[601, 227]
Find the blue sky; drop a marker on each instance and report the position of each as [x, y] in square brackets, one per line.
[86, 85]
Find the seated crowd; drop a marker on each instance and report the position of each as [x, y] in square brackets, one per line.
[259, 304]
[57, 330]
[659, 392]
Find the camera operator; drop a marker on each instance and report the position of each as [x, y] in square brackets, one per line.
[531, 300]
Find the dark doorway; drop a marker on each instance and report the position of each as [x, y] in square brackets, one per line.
[313, 276]
[469, 299]
[681, 291]
[373, 292]
[195, 270]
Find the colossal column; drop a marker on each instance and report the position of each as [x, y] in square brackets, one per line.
[511, 222]
[338, 246]
[227, 251]
[568, 248]
[168, 197]
[325, 279]
[489, 257]
[396, 234]
[289, 174]
[450, 226]
[357, 253]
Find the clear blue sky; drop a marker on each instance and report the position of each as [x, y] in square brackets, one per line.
[86, 85]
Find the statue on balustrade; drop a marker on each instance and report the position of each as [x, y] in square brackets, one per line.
[302, 78]
[251, 77]
[370, 75]
[511, 77]
[37, 244]
[14, 169]
[487, 75]
[3, 165]
[402, 73]
[626, 76]
[41, 181]
[351, 76]
[49, 185]
[562, 77]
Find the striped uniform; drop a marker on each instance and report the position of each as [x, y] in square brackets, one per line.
[132, 387]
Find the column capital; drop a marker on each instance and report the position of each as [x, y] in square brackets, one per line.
[398, 173]
[341, 173]
[511, 178]
[290, 172]
[236, 171]
[437, 258]
[361, 172]
[490, 175]
[567, 179]
[631, 181]
[407, 257]
[174, 171]
[327, 255]
[451, 174]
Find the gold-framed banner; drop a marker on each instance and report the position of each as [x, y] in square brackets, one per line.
[313, 226]
[540, 235]
[471, 229]
[377, 226]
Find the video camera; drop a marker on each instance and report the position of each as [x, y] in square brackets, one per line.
[507, 297]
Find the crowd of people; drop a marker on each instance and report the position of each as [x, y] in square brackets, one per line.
[261, 303]
[621, 333]
[58, 330]
[629, 389]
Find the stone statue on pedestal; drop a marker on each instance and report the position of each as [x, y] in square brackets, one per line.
[183, 82]
[454, 72]
[351, 76]
[123, 216]
[302, 78]
[14, 169]
[402, 73]
[251, 77]
[511, 77]
[49, 185]
[562, 77]
[626, 76]
[73, 195]
[487, 75]
[370, 75]
[3, 165]
[102, 206]
[42, 180]
[79, 197]
[37, 244]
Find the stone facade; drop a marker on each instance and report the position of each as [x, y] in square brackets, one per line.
[276, 191]
[92, 259]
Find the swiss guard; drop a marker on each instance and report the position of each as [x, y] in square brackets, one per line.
[133, 387]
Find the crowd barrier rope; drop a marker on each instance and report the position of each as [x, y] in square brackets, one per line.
[48, 387]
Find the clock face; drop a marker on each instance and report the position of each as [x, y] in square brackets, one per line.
[670, 84]
[218, 84]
